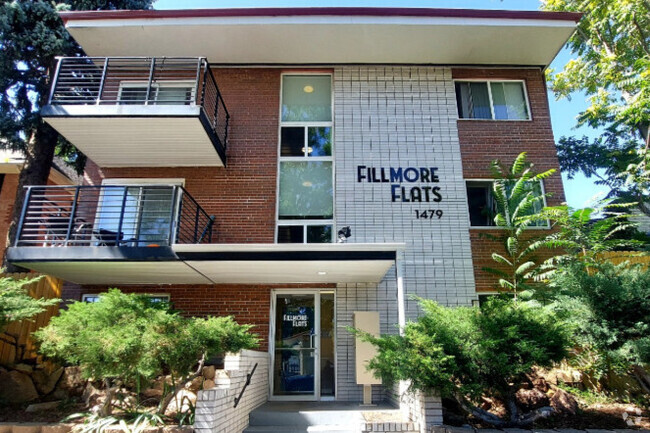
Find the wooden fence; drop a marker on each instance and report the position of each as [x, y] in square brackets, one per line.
[633, 257]
[46, 287]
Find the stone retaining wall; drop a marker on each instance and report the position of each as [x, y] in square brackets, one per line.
[36, 427]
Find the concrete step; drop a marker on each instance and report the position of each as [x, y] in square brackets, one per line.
[310, 429]
[305, 418]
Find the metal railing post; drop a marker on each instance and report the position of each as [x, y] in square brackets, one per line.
[216, 108]
[19, 229]
[205, 81]
[174, 214]
[225, 135]
[103, 80]
[198, 79]
[196, 224]
[122, 210]
[55, 80]
[73, 212]
[151, 71]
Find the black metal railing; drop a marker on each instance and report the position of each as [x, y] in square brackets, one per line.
[112, 215]
[141, 81]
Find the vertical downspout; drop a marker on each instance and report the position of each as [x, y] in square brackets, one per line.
[401, 305]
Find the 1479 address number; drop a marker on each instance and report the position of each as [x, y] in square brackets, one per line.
[428, 214]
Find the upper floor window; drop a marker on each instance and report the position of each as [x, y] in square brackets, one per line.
[492, 100]
[483, 208]
[161, 93]
[306, 195]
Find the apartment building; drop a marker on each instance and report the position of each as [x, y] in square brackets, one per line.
[292, 167]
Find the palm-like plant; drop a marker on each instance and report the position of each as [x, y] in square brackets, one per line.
[518, 200]
[584, 238]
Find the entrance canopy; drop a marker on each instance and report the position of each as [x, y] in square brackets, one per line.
[213, 263]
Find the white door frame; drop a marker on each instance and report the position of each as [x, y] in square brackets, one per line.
[317, 344]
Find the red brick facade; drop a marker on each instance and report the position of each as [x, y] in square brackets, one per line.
[242, 194]
[7, 199]
[482, 141]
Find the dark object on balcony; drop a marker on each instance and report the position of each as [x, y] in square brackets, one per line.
[107, 238]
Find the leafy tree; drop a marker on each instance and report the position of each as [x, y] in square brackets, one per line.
[612, 67]
[127, 338]
[16, 304]
[31, 36]
[584, 238]
[518, 200]
[608, 309]
[464, 353]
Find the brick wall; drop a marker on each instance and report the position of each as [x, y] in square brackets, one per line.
[7, 198]
[482, 141]
[242, 194]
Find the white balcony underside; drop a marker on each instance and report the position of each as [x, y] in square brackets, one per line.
[127, 140]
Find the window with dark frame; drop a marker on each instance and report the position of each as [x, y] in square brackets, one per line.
[492, 100]
[482, 207]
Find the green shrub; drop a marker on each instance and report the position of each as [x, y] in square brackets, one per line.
[463, 353]
[608, 308]
[127, 338]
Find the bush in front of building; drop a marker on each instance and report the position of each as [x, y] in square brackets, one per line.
[465, 353]
[607, 307]
[128, 340]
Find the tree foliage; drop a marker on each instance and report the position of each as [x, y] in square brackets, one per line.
[126, 338]
[31, 36]
[464, 353]
[16, 303]
[612, 68]
[584, 238]
[518, 199]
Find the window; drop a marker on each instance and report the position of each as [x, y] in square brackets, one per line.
[482, 207]
[492, 100]
[162, 93]
[154, 298]
[144, 211]
[306, 187]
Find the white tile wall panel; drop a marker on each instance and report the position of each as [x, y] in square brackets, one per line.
[398, 117]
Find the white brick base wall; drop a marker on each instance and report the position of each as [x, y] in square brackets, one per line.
[215, 411]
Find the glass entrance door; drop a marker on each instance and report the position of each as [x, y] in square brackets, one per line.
[303, 358]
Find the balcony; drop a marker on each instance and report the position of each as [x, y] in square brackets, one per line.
[140, 111]
[132, 234]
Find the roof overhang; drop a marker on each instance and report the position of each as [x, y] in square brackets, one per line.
[328, 35]
[212, 263]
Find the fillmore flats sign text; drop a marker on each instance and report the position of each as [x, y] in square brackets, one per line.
[398, 176]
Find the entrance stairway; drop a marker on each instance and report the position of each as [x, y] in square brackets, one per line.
[306, 417]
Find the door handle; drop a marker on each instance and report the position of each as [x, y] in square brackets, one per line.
[311, 341]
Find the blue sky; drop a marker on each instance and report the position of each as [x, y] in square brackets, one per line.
[579, 191]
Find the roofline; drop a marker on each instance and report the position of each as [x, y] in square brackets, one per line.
[319, 11]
